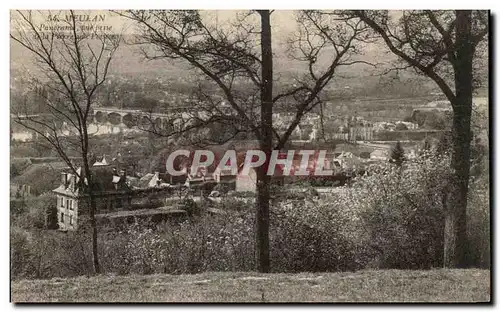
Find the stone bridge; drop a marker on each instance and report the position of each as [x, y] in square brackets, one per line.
[131, 117]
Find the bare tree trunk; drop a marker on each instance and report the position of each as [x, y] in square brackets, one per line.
[455, 235]
[266, 142]
[263, 194]
[93, 225]
[93, 205]
[322, 122]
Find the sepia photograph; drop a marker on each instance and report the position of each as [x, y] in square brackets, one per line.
[250, 156]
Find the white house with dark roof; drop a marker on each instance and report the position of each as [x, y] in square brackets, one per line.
[379, 154]
[112, 189]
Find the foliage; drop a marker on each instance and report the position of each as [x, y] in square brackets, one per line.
[17, 166]
[44, 254]
[389, 219]
[397, 154]
[402, 211]
[478, 219]
[408, 118]
[40, 177]
[191, 207]
[437, 121]
[312, 235]
[32, 212]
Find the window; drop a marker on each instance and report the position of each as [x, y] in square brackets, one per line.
[70, 204]
[67, 203]
[70, 220]
[62, 217]
[62, 201]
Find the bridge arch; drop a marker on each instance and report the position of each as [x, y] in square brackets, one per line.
[114, 118]
[145, 122]
[158, 122]
[129, 120]
[101, 117]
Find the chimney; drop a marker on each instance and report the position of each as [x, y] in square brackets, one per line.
[64, 178]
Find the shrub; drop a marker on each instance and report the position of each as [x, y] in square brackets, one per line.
[311, 235]
[41, 177]
[311, 239]
[32, 212]
[391, 219]
[45, 254]
[437, 121]
[478, 222]
[403, 214]
[397, 154]
[190, 206]
[408, 118]
[17, 166]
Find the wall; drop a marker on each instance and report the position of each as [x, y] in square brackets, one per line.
[69, 207]
[246, 183]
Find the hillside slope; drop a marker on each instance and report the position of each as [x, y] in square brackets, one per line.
[364, 286]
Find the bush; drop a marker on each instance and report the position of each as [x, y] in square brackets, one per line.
[17, 166]
[478, 222]
[190, 206]
[437, 121]
[41, 178]
[312, 239]
[408, 118]
[311, 235]
[403, 214]
[33, 212]
[391, 219]
[46, 254]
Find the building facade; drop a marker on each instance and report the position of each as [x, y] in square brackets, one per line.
[113, 191]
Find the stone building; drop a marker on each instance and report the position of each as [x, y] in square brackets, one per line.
[113, 191]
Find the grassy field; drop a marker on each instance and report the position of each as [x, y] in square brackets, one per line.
[362, 286]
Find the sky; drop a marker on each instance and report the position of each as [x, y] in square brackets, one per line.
[283, 21]
[283, 25]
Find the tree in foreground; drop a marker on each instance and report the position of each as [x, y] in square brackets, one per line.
[73, 60]
[397, 154]
[239, 86]
[447, 47]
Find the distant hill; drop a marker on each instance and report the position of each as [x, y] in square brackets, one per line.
[130, 61]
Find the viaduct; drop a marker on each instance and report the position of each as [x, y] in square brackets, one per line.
[132, 117]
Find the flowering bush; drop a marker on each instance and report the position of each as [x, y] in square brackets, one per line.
[391, 218]
[312, 234]
[306, 236]
[478, 221]
[402, 212]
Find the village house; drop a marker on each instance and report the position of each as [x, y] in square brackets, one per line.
[380, 155]
[361, 131]
[248, 183]
[223, 175]
[112, 189]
